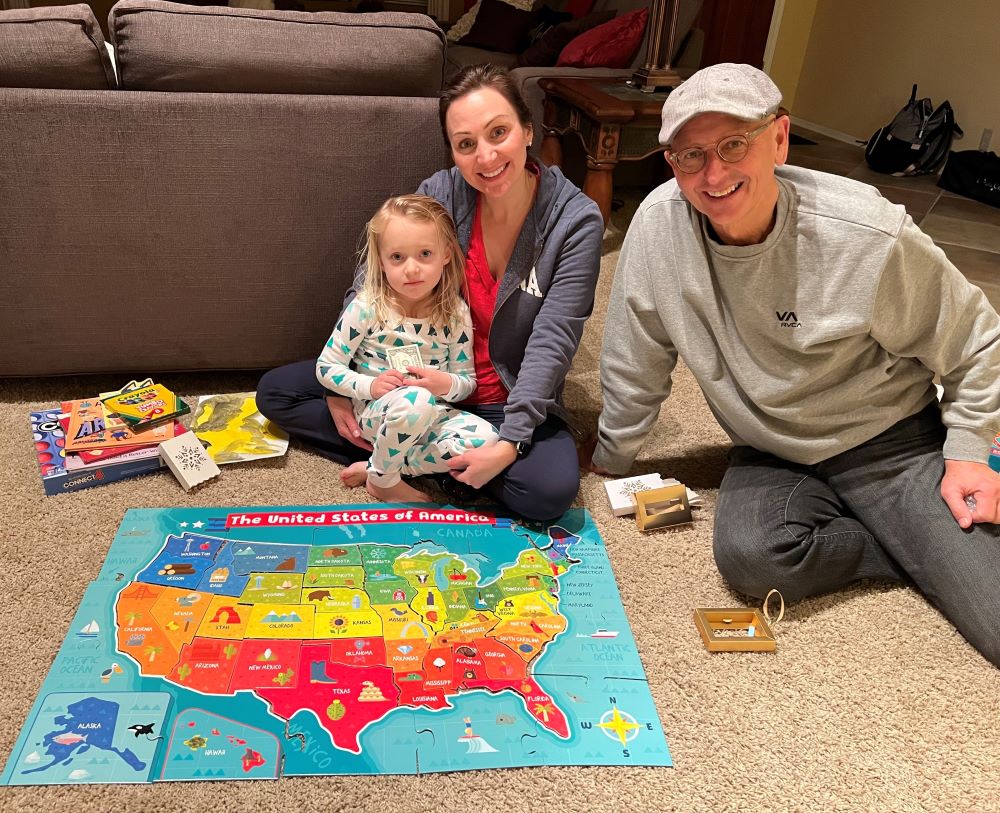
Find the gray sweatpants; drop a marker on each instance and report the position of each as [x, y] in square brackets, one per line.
[874, 511]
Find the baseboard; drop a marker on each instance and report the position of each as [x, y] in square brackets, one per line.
[830, 133]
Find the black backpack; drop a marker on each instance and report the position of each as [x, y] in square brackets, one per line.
[917, 141]
[975, 174]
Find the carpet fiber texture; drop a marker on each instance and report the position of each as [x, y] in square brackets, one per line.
[872, 701]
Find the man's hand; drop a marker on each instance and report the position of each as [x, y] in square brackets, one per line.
[343, 418]
[964, 479]
[478, 466]
[386, 382]
[434, 381]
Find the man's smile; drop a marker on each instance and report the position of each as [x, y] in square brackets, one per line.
[722, 193]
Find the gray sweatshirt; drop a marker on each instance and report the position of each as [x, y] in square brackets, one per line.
[805, 345]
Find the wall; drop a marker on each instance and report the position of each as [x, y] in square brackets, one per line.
[784, 64]
[864, 55]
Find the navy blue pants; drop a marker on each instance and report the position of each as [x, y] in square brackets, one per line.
[539, 486]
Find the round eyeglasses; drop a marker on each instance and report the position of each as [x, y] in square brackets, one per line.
[730, 149]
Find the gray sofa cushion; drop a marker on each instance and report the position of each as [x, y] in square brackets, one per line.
[57, 47]
[226, 224]
[173, 47]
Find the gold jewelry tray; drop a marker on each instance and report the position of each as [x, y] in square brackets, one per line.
[710, 622]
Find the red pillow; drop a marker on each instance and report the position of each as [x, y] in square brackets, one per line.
[578, 8]
[612, 45]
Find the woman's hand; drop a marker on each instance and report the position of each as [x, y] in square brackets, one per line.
[386, 382]
[478, 466]
[343, 418]
[434, 381]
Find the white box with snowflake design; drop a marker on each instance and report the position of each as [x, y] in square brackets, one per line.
[188, 460]
[621, 493]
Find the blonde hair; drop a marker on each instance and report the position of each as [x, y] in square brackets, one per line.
[446, 296]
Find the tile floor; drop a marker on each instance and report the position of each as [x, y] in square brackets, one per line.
[967, 231]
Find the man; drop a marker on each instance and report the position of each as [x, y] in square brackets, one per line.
[815, 316]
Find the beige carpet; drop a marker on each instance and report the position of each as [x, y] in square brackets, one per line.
[872, 701]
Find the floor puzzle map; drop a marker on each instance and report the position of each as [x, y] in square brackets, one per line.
[248, 643]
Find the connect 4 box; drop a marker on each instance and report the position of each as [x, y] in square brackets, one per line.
[61, 475]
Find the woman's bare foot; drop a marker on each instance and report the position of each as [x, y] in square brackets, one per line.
[355, 475]
[401, 492]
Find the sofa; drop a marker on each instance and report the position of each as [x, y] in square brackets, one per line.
[198, 204]
[687, 52]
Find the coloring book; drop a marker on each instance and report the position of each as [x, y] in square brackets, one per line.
[88, 424]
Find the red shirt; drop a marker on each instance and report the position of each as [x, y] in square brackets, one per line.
[482, 303]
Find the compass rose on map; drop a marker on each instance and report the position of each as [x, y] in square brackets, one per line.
[619, 724]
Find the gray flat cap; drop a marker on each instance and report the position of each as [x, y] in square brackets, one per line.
[738, 90]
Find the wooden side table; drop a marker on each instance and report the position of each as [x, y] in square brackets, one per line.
[613, 121]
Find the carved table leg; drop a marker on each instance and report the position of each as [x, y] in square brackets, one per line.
[598, 185]
[551, 151]
[602, 157]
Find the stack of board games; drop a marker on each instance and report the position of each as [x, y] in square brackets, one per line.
[82, 443]
[63, 472]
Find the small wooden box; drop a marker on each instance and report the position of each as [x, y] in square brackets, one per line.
[714, 623]
[662, 508]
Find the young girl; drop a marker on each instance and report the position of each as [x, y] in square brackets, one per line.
[410, 298]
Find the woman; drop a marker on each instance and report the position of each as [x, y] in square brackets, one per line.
[532, 241]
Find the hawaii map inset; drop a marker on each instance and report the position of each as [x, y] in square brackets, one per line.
[232, 643]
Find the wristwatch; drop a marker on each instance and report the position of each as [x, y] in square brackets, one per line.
[521, 447]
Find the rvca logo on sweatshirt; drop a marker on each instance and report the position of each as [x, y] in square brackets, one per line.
[787, 319]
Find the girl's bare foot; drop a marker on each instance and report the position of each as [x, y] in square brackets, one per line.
[355, 475]
[401, 492]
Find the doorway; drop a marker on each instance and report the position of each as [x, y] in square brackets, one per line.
[735, 31]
